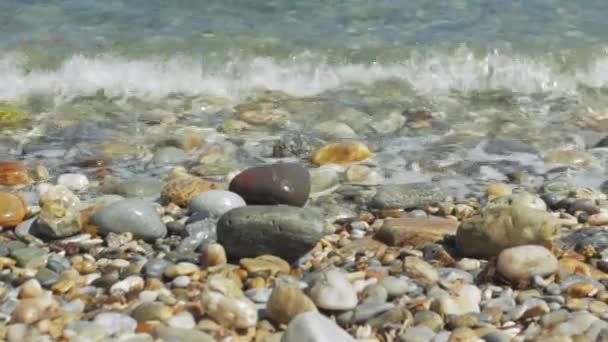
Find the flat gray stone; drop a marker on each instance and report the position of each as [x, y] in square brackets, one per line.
[30, 257]
[280, 230]
[130, 215]
[47, 277]
[408, 196]
[137, 188]
[169, 155]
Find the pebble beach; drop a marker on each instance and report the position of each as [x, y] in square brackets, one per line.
[284, 196]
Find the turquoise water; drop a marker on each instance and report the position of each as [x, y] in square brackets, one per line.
[152, 49]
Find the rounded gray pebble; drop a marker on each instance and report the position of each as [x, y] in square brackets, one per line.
[130, 215]
[155, 268]
[216, 202]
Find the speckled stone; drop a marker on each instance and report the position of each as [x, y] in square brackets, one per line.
[406, 196]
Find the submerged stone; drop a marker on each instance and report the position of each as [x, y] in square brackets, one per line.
[341, 153]
[406, 196]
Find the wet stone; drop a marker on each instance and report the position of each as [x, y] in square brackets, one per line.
[30, 257]
[507, 146]
[295, 145]
[323, 180]
[50, 226]
[13, 173]
[138, 187]
[341, 153]
[406, 196]
[12, 209]
[281, 183]
[131, 215]
[283, 231]
[334, 130]
[169, 155]
[216, 202]
[73, 181]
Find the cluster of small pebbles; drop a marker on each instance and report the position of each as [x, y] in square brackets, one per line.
[311, 248]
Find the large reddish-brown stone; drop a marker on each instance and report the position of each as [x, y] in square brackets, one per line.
[12, 209]
[415, 231]
[13, 173]
[281, 183]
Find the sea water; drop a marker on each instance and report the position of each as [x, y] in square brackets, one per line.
[533, 70]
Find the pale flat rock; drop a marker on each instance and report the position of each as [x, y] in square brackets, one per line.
[333, 291]
[314, 327]
[524, 262]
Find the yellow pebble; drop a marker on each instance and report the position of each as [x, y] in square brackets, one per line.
[341, 153]
[257, 282]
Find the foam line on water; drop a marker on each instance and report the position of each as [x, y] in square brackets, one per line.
[156, 78]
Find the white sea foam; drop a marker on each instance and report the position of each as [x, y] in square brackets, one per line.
[157, 78]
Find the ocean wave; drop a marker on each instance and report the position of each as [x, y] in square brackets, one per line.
[156, 78]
